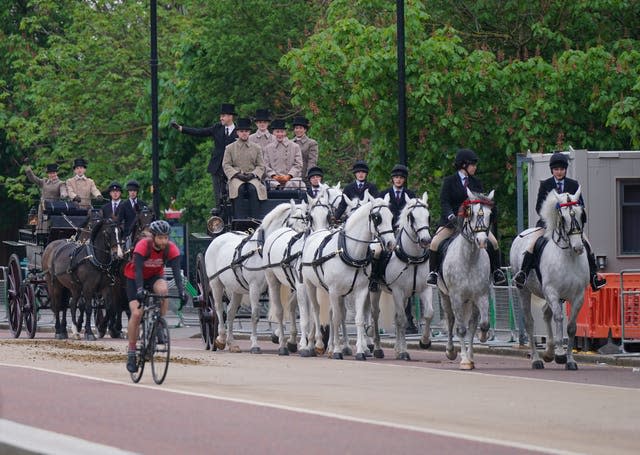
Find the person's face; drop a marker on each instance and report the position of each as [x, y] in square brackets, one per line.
[226, 119]
[115, 194]
[299, 130]
[559, 172]
[79, 170]
[52, 175]
[398, 181]
[262, 125]
[361, 176]
[280, 135]
[315, 180]
[243, 135]
[471, 168]
[133, 194]
[160, 241]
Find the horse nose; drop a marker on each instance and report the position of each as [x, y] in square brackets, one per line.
[578, 249]
[425, 242]
[390, 245]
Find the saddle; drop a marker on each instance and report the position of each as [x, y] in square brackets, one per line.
[538, 248]
[442, 251]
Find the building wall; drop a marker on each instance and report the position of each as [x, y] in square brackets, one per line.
[599, 173]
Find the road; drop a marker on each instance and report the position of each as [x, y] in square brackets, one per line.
[62, 397]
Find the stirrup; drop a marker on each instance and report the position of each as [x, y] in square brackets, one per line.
[519, 279]
[498, 277]
[597, 283]
[432, 278]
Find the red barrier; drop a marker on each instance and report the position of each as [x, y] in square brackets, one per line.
[601, 310]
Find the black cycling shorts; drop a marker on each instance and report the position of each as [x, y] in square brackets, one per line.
[132, 289]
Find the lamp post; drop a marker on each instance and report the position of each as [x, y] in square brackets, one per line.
[155, 167]
[402, 107]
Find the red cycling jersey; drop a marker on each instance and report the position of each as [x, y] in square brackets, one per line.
[154, 262]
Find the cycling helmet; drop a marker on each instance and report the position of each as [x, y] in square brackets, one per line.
[559, 159]
[160, 227]
[465, 157]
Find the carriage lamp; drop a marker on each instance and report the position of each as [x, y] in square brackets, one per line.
[215, 225]
[32, 217]
[601, 261]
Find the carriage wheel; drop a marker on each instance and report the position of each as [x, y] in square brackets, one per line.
[205, 312]
[13, 287]
[30, 309]
[161, 352]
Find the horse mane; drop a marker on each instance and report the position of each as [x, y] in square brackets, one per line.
[278, 213]
[96, 229]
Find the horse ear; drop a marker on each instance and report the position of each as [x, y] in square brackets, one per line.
[406, 198]
[425, 198]
[337, 187]
[386, 197]
[491, 194]
[578, 193]
[470, 194]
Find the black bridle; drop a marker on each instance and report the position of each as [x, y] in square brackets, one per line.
[560, 235]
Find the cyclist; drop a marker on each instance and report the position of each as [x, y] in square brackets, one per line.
[145, 272]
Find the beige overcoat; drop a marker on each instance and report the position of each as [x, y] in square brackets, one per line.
[84, 187]
[262, 139]
[309, 150]
[50, 190]
[244, 157]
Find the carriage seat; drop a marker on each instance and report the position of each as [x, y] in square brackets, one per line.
[63, 207]
[287, 194]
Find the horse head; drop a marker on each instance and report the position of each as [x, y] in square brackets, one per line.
[144, 217]
[319, 211]
[476, 215]
[564, 217]
[414, 220]
[380, 222]
[297, 218]
[106, 240]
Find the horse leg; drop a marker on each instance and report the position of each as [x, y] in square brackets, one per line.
[275, 312]
[217, 292]
[560, 356]
[483, 309]
[571, 331]
[254, 297]
[399, 300]
[292, 304]
[361, 295]
[525, 308]
[234, 304]
[378, 353]
[450, 318]
[344, 339]
[310, 293]
[547, 315]
[463, 314]
[336, 322]
[88, 332]
[305, 321]
[426, 310]
[64, 334]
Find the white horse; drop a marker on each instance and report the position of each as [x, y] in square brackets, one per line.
[281, 253]
[465, 285]
[562, 274]
[233, 263]
[405, 276]
[340, 262]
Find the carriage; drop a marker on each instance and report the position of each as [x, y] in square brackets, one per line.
[231, 215]
[26, 287]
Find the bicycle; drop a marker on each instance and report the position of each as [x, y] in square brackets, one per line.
[153, 340]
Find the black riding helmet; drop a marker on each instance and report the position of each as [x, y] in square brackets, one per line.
[559, 159]
[465, 157]
[400, 170]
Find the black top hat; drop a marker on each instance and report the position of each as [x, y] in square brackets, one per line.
[278, 124]
[243, 124]
[315, 170]
[114, 186]
[360, 166]
[133, 185]
[302, 121]
[52, 167]
[400, 170]
[262, 115]
[79, 162]
[227, 108]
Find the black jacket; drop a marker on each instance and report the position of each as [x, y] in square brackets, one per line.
[453, 194]
[569, 186]
[220, 142]
[352, 192]
[128, 213]
[394, 205]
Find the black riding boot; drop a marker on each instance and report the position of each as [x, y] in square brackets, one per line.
[520, 278]
[594, 279]
[434, 266]
[497, 274]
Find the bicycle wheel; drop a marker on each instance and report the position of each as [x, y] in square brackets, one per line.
[30, 309]
[160, 359]
[13, 287]
[141, 348]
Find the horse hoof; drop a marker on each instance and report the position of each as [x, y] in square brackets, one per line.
[219, 344]
[319, 351]
[255, 350]
[347, 351]
[378, 353]
[537, 365]
[337, 356]
[281, 351]
[370, 346]
[368, 353]
[403, 356]
[451, 355]
[115, 334]
[76, 336]
[304, 353]
[426, 345]
[571, 366]
[547, 357]
[275, 339]
[361, 356]
[235, 349]
[560, 359]
[89, 337]
[467, 366]
[292, 347]
[101, 333]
